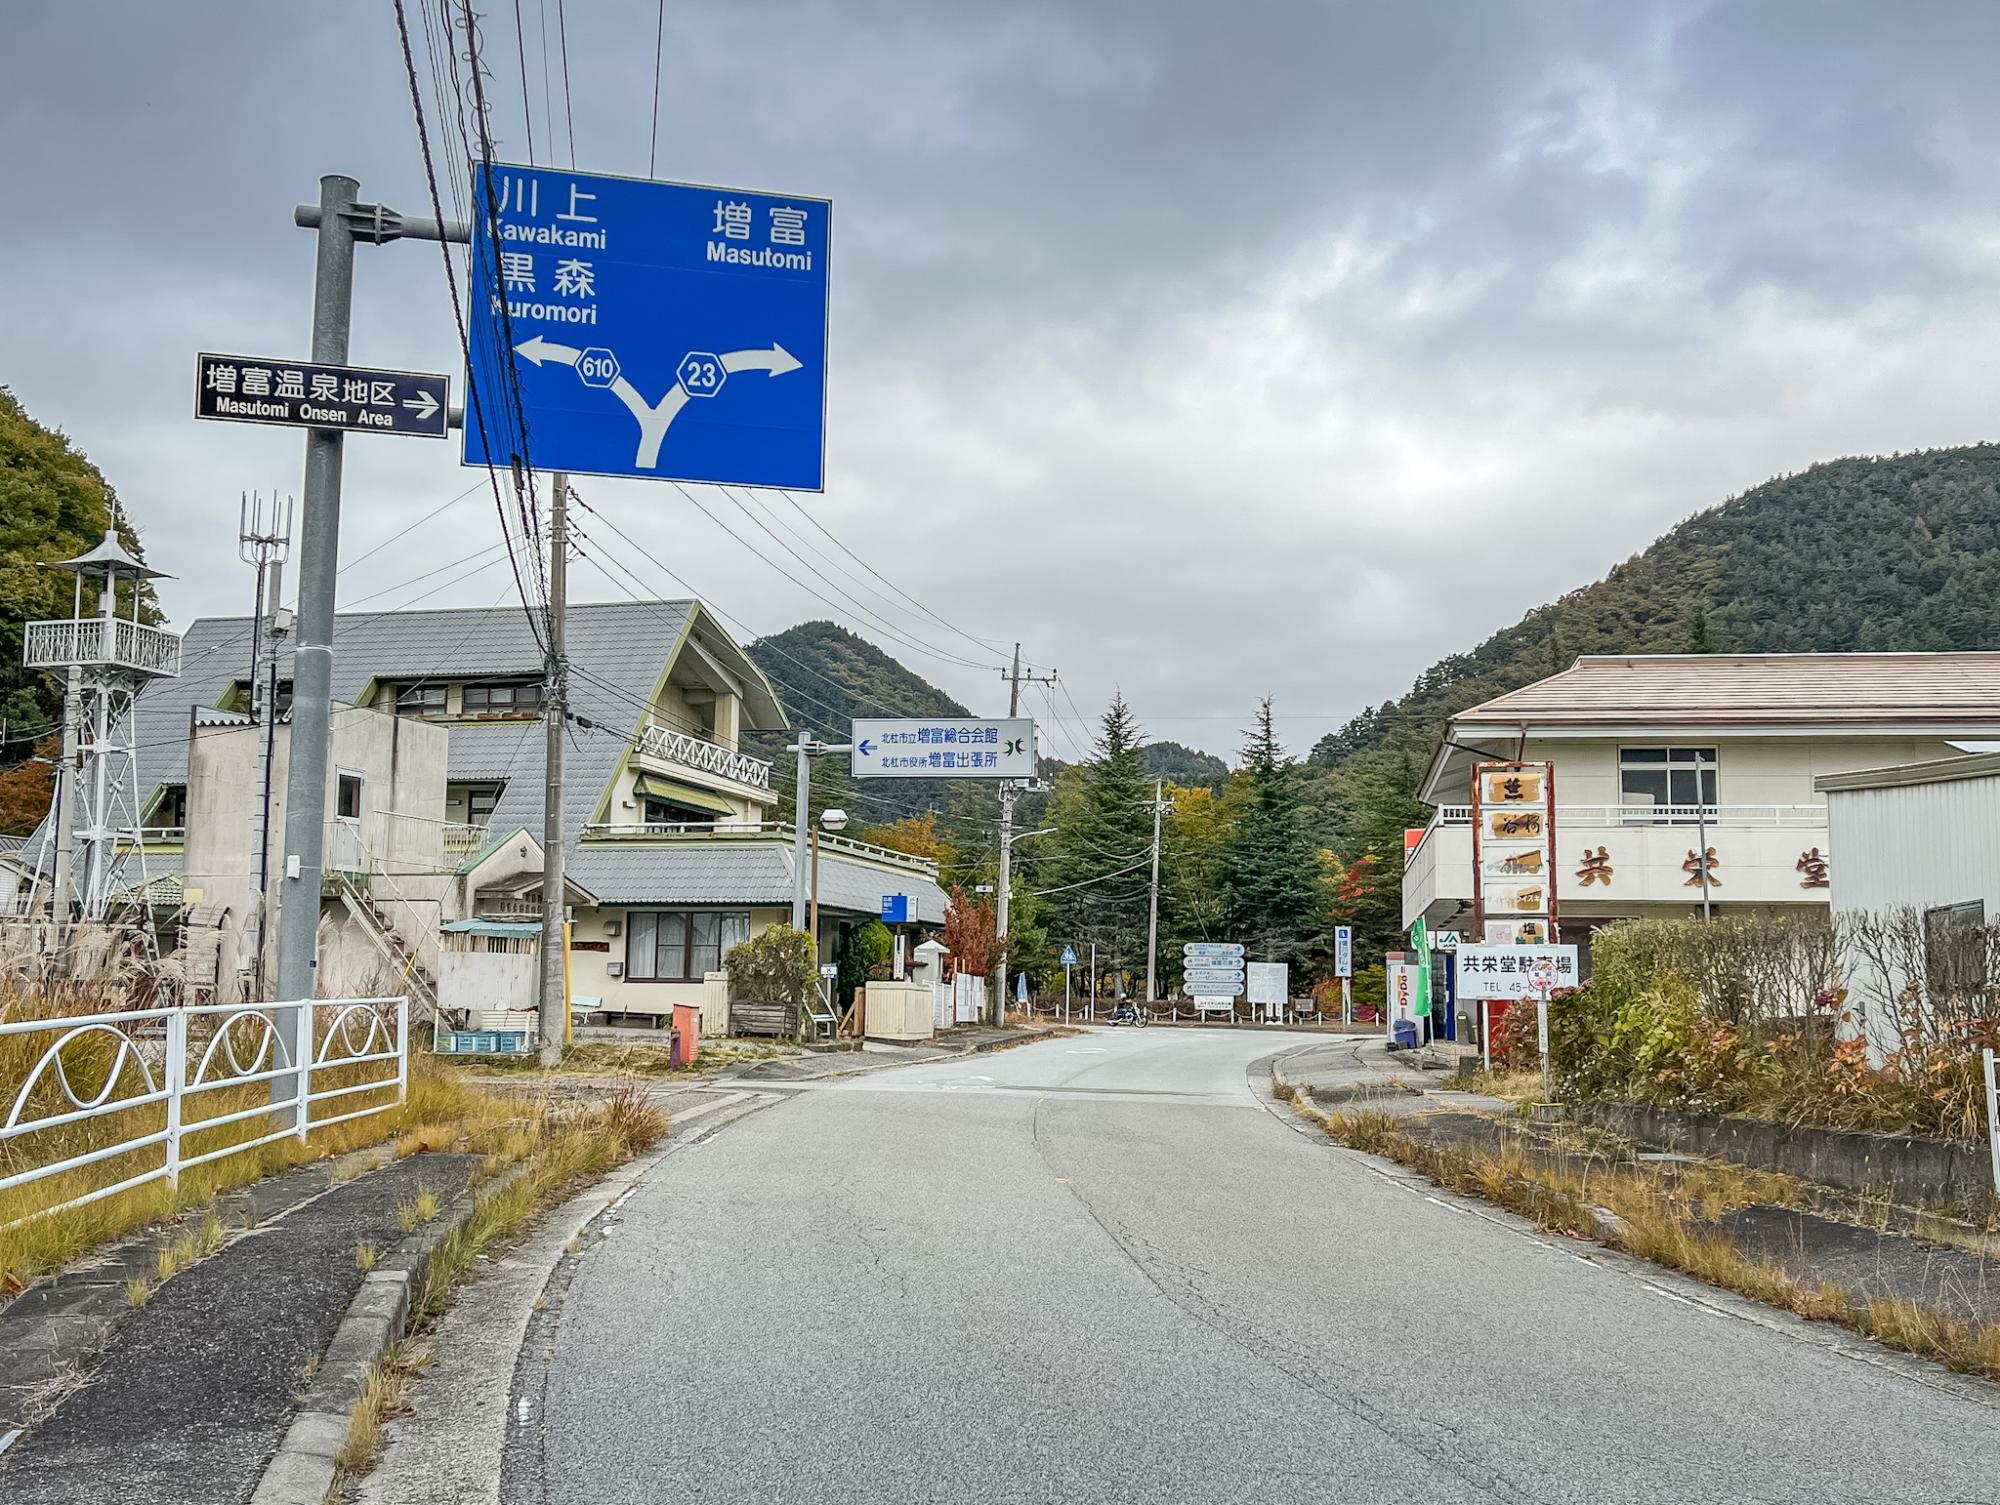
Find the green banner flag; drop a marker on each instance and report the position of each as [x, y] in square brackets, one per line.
[1420, 941]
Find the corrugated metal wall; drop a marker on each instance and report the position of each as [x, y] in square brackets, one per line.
[1920, 844]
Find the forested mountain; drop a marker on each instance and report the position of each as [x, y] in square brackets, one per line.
[826, 676]
[1898, 553]
[1189, 767]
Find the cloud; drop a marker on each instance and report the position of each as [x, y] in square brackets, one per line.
[1208, 352]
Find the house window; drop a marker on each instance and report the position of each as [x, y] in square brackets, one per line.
[680, 945]
[1679, 778]
[479, 802]
[420, 700]
[524, 696]
[665, 813]
[1955, 952]
[347, 797]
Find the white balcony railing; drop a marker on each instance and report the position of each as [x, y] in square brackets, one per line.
[128, 645]
[689, 751]
[750, 830]
[1755, 816]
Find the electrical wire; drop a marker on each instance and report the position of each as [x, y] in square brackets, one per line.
[941, 620]
[475, 405]
[741, 626]
[659, 43]
[521, 56]
[569, 120]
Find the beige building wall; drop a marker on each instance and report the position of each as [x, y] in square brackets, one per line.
[1749, 770]
[590, 976]
[402, 765]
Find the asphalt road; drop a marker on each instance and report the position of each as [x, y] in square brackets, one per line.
[1101, 1269]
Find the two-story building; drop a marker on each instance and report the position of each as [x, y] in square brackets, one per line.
[435, 806]
[1658, 757]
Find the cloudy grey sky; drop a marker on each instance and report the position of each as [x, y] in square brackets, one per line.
[1211, 350]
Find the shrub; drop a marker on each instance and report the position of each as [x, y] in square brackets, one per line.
[779, 966]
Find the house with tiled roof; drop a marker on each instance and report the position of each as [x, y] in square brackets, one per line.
[1659, 758]
[435, 806]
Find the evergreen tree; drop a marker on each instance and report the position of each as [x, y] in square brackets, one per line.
[1271, 862]
[1102, 847]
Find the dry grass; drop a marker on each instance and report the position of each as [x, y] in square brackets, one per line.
[419, 1210]
[1516, 1087]
[573, 1148]
[364, 1256]
[1668, 1217]
[638, 1061]
[384, 1394]
[138, 1291]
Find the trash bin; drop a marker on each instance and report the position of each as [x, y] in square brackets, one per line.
[1404, 1035]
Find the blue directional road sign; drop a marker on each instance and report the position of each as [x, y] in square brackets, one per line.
[658, 330]
[895, 909]
[1069, 956]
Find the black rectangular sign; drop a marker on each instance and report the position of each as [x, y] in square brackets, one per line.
[254, 389]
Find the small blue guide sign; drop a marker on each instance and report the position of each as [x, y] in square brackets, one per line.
[656, 330]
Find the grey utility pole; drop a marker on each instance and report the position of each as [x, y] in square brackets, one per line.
[342, 222]
[1008, 790]
[1160, 805]
[1000, 902]
[312, 654]
[552, 999]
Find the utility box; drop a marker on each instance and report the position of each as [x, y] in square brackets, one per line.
[687, 1025]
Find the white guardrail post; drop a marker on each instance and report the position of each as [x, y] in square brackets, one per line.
[176, 1070]
[403, 1048]
[304, 1075]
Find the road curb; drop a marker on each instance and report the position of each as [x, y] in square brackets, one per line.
[302, 1470]
[1282, 1081]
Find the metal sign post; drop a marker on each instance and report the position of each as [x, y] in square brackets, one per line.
[342, 222]
[1068, 966]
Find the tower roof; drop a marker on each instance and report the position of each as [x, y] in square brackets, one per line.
[106, 557]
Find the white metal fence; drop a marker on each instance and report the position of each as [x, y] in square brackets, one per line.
[156, 1062]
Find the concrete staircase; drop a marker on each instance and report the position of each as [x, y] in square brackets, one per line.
[411, 973]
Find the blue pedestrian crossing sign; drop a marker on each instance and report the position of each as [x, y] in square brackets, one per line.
[624, 327]
[1069, 956]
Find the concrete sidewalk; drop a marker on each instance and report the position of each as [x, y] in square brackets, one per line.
[1363, 1071]
[184, 1398]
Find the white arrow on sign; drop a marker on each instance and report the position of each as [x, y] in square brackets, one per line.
[424, 405]
[655, 419]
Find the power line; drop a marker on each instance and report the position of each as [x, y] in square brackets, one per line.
[819, 565]
[858, 559]
[742, 626]
[569, 121]
[412, 527]
[602, 560]
[521, 56]
[659, 40]
[867, 617]
[475, 406]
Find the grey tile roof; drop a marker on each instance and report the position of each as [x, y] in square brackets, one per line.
[740, 873]
[617, 650]
[1757, 689]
